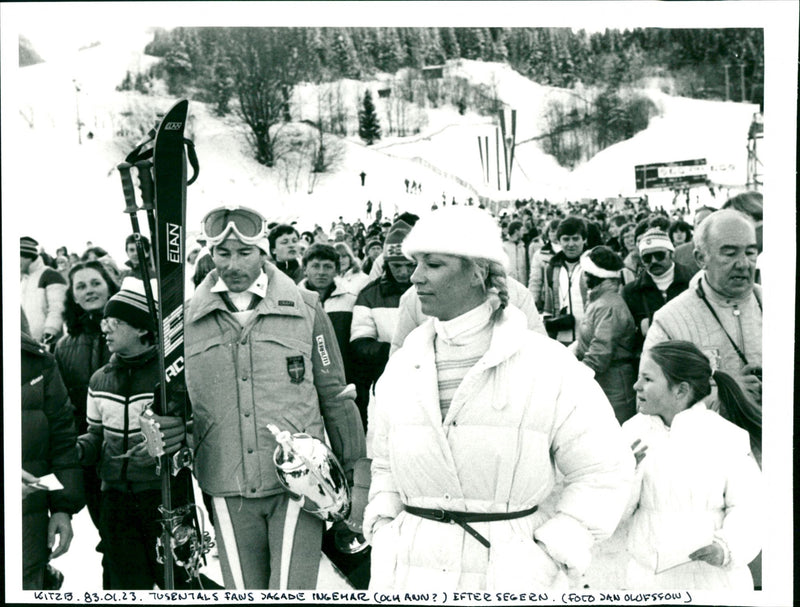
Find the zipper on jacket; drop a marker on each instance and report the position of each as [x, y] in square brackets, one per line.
[126, 426]
[569, 297]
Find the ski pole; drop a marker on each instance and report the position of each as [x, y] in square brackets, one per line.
[146, 184]
[132, 210]
[148, 194]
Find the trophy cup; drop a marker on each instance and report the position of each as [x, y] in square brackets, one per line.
[310, 472]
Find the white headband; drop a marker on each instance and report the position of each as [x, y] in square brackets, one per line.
[592, 268]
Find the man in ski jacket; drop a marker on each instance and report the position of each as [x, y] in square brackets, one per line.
[42, 293]
[260, 350]
[321, 267]
[132, 266]
[283, 249]
[565, 293]
[119, 392]
[375, 315]
[662, 281]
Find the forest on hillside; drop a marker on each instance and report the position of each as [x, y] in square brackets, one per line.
[562, 57]
[253, 71]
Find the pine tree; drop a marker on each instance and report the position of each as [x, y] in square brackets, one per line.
[178, 67]
[472, 42]
[223, 85]
[434, 54]
[317, 55]
[369, 129]
[499, 50]
[450, 43]
[390, 51]
[414, 46]
[345, 54]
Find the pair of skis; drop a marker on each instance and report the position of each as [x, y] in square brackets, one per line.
[162, 172]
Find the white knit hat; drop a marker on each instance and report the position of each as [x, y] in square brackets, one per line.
[655, 240]
[463, 231]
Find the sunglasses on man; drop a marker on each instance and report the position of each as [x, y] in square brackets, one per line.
[658, 256]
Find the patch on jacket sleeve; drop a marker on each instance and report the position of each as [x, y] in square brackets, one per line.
[36, 380]
[296, 367]
[286, 302]
[323, 351]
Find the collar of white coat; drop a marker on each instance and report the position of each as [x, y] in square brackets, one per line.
[507, 337]
[460, 329]
[338, 289]
[680, 418]
[689, 412]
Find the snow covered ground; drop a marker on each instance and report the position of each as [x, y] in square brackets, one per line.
[82, 568]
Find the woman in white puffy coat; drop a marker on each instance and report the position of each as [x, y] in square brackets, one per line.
[474, 413]
[697, 519]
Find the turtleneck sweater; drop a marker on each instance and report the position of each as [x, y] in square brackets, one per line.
[665, 280]
[459, 344]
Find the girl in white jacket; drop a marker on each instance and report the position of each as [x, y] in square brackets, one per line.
[697, 519]
[474, 413]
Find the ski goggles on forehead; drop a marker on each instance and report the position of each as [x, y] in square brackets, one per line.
[248, 226]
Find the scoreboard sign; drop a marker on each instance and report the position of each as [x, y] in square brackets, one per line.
[671, 174]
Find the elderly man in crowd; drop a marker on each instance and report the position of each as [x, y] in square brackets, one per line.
[722, 315]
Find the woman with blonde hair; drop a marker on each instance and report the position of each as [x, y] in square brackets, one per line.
[473, 415]
[351, 278]
[629, 253]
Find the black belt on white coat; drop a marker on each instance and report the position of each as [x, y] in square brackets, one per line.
[464, 518]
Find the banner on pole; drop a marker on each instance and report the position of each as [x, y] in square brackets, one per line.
[509, 141]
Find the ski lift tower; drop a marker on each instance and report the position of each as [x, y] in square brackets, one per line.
[755, 169]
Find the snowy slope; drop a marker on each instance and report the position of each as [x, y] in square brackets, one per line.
[78, 200]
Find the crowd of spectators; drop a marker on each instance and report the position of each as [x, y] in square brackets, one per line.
[608, 281]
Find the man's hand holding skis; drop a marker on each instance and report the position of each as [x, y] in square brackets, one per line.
[171, 433]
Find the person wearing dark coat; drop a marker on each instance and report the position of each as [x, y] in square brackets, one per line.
[662, 281]
[82, 351]
[48, 446]
[283, 249]
[375, 316]
[132, 266]
[118, 394]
